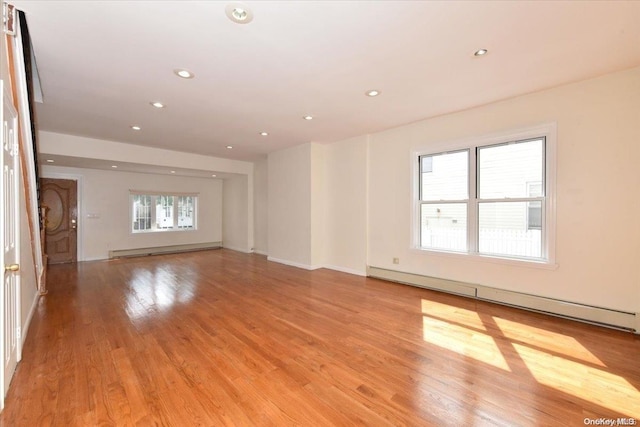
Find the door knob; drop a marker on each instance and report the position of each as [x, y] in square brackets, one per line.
[12, 267]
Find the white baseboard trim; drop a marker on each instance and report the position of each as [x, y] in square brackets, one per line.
[94, 259]
[347, 270]
[259, 252]
[24, 329]
[600, 316]
[237, 249]
[293, 263]
[316, 267]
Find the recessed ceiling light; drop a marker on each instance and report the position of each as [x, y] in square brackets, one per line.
[308, 117]
[213, 176]
[229, 147]
[238, 13]
[185, 74]
[264, 133]
[136, 127]
[372, 92]
[50, 161]
[114, 166]
[157, 104]
[481, 52]
[173, 171]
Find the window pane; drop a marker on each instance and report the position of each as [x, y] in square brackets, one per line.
[534, 189]
[444, 226]
[164, 212]
[509, 170]
[444, 176]
[186, 205]
[141, 212]
[504, 229]
[534, 215]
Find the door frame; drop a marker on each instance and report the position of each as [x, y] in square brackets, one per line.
[45, 173]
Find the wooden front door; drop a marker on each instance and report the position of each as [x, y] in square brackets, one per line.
[59, 196]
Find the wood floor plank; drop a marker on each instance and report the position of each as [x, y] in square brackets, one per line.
[220, 338]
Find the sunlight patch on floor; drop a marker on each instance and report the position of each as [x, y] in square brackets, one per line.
[547, 340]
[464, 341]
[555, 360]
[462, 316]
[585, 382]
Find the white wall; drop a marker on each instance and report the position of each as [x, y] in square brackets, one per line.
[346, 203]
[261, 206]
[106, 194]
[318, 204]
[598, 232]
[289, 212]
[235, 214]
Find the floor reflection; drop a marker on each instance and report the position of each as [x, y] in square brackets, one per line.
[155, 292]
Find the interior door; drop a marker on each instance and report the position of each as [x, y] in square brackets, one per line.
[10, 237]
[59, 196]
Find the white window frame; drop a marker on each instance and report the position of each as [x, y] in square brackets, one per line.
[548, 131]
[154, 195]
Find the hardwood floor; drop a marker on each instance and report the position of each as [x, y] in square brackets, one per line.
[222, 338]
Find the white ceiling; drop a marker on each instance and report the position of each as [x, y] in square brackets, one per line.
[102, 62]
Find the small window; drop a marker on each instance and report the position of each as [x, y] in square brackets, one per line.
[162, 212]
[141, 212]
[186, 212]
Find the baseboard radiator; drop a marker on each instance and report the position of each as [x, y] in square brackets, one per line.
[590, 314]
[171, 249]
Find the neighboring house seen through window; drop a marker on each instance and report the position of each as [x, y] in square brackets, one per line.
[162, 212]
[487, 200]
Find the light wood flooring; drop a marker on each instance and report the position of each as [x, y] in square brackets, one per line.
[219, 338]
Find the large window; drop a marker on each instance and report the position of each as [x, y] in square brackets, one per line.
[490, 200]
[162, 212]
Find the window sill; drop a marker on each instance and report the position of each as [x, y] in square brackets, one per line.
[544, 265]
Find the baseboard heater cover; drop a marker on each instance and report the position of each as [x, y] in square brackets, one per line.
[428, 282]
[171, 249]
[590, 314]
